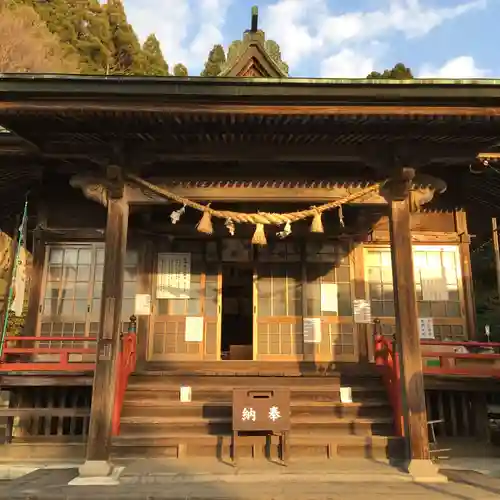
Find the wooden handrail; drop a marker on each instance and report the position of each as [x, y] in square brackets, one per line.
[465, 343]
[387, 361]
[46, 338]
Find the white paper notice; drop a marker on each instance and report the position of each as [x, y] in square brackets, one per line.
[345, 395]
[185, 394]
[312, 330]
[426, 328]
[329, 297]
[194, 329]
[174, 276]
[434, 287]
[362, 311]
[142, 304]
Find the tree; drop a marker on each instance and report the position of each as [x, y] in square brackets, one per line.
[399, 72]
[127, 53]
[155, 63]
[94, 38]
[215, 62]
[83, 28]
[28, 46]
[180, 70]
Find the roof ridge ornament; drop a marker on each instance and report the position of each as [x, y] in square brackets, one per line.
[255, 19]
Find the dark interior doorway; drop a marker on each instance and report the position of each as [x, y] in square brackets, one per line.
[237, 312]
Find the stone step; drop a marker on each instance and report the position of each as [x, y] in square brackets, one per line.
[257, 368]
[177, 445]
[149, 426]
[309, 392]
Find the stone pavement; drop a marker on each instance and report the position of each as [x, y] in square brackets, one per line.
[175, 480]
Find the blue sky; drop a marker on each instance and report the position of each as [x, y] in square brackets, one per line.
[335, 38]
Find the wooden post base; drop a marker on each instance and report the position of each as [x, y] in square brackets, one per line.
[95, 468]
[425, 471]
[95, 473]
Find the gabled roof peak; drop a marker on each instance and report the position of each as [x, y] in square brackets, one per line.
[254, 56]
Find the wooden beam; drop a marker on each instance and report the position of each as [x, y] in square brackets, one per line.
[422, 237]
[256, 149]
[54, 234]
[225, 193]
[407, 330]
[466, 271]
[36, 273]
[496, 250]
[103, 393]
[146, 106]
[145, 285]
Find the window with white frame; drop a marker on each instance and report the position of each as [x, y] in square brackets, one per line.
[437, 283]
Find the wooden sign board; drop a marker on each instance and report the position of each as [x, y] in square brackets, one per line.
[174, 276]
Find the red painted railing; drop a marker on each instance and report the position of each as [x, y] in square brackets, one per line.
[438, 358]
[455, 358]
[126, 365]
[14, 357]
[387, 361]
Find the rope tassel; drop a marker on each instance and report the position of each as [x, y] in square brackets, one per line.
[317, 223]
[259, 237]
[205, 225]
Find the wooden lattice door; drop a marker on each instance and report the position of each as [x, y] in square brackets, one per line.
[328, 292]
[72, 289]
[186, 325]
[278, 332]
[67, 299]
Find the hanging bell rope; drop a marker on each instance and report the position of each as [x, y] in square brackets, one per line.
[258, 219]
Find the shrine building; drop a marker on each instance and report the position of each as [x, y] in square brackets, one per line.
[250, 230]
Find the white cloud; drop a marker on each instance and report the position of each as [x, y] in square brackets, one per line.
[187, 29]
[347, 64]
[291, 23]
[463, 67]
[309, 28]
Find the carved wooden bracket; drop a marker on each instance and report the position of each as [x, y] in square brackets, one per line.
[101, 188]
[419, 188]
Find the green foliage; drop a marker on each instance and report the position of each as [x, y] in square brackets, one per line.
[399, 72]
[215, 62]
[180, 70]
[27, 45]
[127, 53]
[100, 37]
[486, 294]
[155, 63]
[15, 324]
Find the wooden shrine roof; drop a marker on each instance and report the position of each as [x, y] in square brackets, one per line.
[331, 127]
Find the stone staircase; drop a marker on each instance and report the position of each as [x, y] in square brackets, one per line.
[154, 423]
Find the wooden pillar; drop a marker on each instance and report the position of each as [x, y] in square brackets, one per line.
[109, 340]
[36, 273]
[496, 250]
[145, 286]
[363, 331]
[466, 271]
[407, 330]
